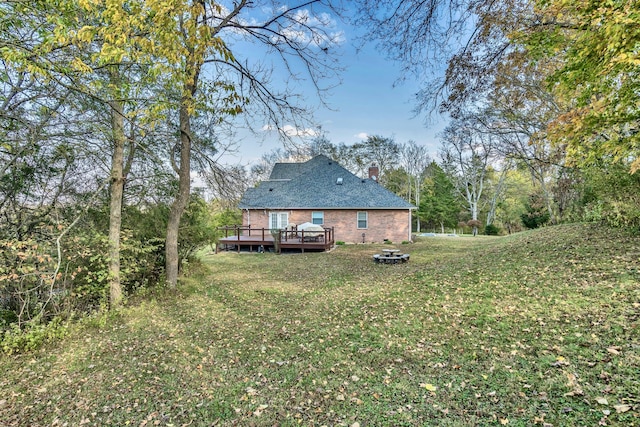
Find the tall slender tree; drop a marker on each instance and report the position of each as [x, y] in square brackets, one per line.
[467, 156]
[205, 32]
[415, 159]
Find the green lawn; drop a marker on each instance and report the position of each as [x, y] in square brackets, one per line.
[539, 328]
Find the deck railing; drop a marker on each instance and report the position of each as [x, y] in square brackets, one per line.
[244, 230]
[281, 235]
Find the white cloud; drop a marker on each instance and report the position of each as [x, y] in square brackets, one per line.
[320, 30]
[291, 131]
[361, 135]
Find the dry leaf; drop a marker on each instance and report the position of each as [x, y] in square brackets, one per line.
[429, 387]
[622, 408]
[613, 350]
[602, 400]
[260, 409]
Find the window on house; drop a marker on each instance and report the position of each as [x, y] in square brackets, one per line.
[362, 220]
[278, 220]
[317, 218]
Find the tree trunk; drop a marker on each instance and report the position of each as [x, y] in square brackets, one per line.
[548, 201]
[417, 199]
[184, 191]
[493, 205]
[474, 217]
[115, 203]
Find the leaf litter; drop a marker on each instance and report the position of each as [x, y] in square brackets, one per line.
[538, 328]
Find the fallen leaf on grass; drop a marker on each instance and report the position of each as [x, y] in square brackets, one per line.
[504, 421]
[429, 387]
[622, 408]
[258, 411]
[602, 400]
[613, 350]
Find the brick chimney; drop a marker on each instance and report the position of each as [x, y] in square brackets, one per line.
[374, 173]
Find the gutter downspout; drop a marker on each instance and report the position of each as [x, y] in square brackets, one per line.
[410, 218]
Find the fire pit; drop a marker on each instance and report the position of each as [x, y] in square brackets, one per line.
[390, 256]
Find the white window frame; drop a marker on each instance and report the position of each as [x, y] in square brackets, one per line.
[278, 220]
[315, 215]
[366, 220]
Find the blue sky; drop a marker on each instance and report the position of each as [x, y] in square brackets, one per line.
[366, 103]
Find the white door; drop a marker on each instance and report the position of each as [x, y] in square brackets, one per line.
[278, 220]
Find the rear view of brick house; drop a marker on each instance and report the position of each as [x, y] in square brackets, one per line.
[322, 192]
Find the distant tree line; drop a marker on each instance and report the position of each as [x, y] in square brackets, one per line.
[475, 185]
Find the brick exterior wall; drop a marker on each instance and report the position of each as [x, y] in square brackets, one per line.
[393, 225]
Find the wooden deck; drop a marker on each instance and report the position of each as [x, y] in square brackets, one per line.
[257, 239]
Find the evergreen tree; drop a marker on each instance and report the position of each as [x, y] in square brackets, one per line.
[438, 205]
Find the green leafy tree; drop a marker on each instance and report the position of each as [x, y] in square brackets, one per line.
[97, 52]
[511, 208]
[397, 181]
[439, 202]
[597, 78]
[611, 195]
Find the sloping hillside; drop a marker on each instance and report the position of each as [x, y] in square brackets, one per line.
[538, 328]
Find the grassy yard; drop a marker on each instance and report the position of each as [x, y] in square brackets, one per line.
[539, 328]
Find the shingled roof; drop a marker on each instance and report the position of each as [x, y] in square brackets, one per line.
[315, 185]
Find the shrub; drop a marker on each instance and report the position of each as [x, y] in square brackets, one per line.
[339, 243]
[537, 214]
[27, 271]
[33, 335]
[491, 230]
